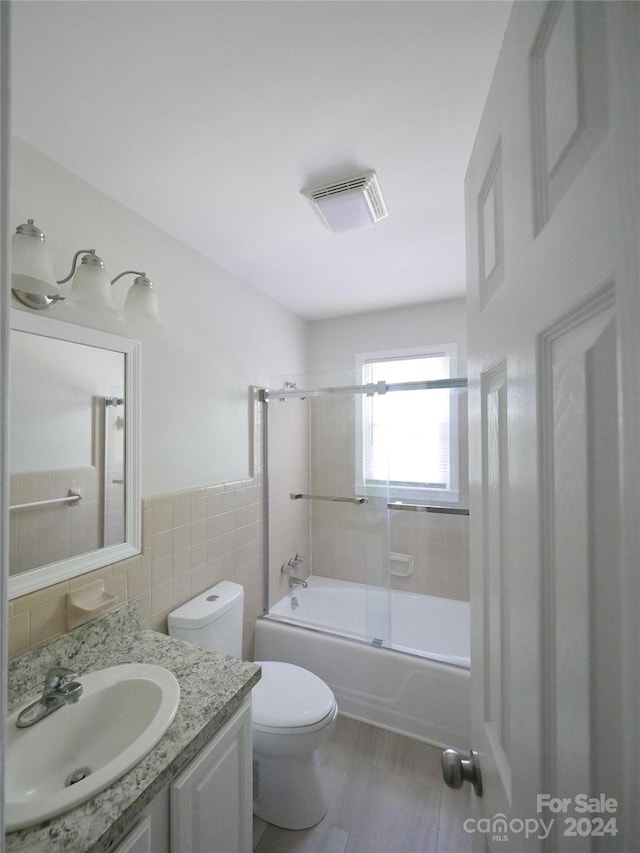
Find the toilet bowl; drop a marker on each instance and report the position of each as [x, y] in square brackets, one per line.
[293, 712]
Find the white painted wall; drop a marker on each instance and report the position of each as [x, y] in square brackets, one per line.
[333, 343]
[219, 335]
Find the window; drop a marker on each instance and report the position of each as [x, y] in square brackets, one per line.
[408, 439]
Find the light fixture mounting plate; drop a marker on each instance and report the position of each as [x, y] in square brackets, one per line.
[37, 301]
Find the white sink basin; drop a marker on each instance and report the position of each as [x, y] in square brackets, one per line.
[122, 713]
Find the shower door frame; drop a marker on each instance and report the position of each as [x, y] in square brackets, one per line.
[265, 395]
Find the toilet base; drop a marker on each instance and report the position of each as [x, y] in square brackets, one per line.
[288, 792]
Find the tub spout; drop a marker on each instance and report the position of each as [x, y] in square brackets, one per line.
[294, 581]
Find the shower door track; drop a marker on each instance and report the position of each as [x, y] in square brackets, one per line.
[369, 389]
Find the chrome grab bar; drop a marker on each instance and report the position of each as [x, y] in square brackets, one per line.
[444, 510]
[298, 496]
[73, 496]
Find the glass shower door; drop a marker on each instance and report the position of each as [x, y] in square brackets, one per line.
[378, 582]
[381, 488]
[348, 525]
[349, 534]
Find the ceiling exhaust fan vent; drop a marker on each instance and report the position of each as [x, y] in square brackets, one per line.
[353, 203]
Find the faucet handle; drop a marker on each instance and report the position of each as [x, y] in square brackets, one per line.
[58, 676]
[292, 564]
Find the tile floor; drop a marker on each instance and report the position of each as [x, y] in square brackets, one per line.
[386, 795]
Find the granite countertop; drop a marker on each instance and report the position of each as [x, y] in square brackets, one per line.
[212, 687]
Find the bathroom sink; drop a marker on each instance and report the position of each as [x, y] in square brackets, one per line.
[84, 747]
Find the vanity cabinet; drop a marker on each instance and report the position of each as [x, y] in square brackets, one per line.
[151, 833]
[208, 808]
[212, 799]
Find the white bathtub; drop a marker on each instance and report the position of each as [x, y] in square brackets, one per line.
[423, 697]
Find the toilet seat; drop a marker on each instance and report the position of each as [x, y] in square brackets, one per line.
[290, 698]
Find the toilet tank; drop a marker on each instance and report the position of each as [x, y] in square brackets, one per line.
[211, 620]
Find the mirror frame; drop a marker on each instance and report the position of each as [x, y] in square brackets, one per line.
[53, 573]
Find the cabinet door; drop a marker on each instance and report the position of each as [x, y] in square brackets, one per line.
[139, 839]
[211, 801]
[151, 833]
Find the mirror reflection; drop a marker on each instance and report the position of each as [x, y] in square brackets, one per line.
[72, 451]
[67, 440]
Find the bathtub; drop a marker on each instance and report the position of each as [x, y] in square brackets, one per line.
[423, 693]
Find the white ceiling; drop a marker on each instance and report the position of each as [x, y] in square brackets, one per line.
[209, 118]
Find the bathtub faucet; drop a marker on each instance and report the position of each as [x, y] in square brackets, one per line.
[292, 564]
[289, 567]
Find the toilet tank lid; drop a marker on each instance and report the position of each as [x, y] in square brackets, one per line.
[207, 607]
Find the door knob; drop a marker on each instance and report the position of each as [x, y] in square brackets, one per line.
[457, 769]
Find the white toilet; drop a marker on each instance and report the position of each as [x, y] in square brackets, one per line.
[293, 712]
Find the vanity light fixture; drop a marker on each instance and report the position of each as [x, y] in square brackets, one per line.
[33, 282]
[141, 304]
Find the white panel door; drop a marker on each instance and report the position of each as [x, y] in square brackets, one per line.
[554, 330]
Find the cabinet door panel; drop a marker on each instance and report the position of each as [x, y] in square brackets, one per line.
[151, 833]
[211, 801]
[139, 839]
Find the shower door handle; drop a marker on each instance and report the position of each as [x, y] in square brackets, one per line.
[458, 768]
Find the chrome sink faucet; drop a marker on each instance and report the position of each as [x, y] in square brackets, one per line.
[59, 689]
[294, 581]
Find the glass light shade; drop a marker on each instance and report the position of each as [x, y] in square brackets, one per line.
[91, 286]
[32, 270]
[346, 212]
[141, 304]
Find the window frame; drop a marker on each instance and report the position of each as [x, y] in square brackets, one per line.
[395, 491]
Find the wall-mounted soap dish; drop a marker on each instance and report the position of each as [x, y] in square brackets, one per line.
[86, 602]
[401, 565]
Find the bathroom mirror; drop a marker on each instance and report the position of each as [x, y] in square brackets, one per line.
[73, 451]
